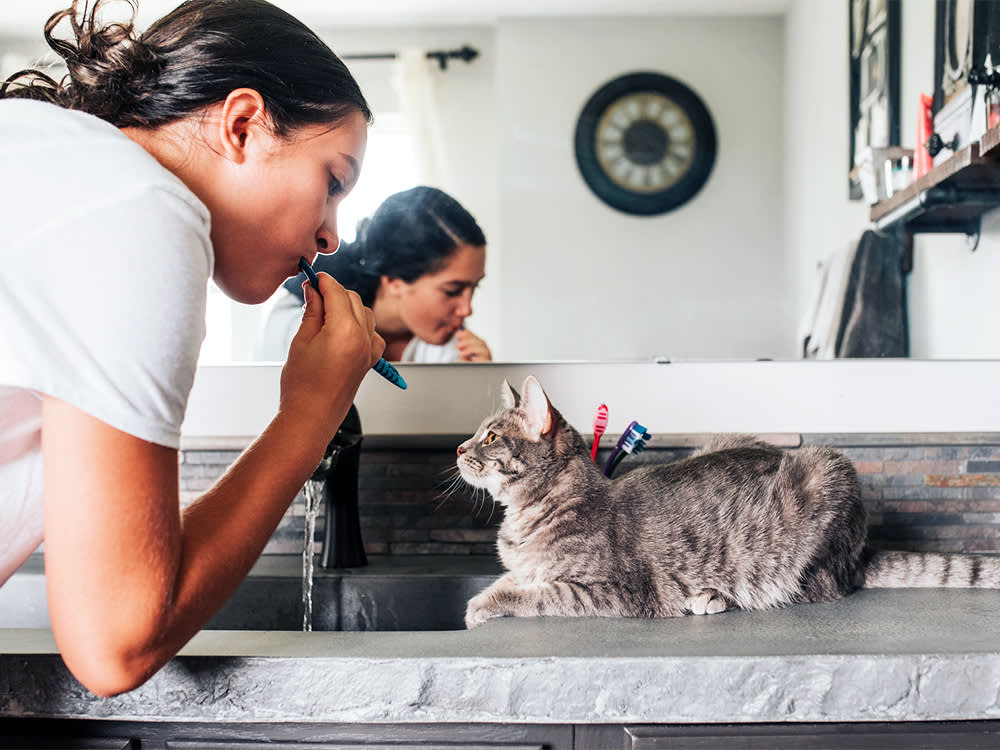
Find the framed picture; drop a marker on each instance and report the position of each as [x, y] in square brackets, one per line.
[874, 38]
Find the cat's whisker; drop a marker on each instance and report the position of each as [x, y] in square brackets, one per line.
[450, 485]
[444, 499]
[449, 476]
[480, 501]
[492, 510]
[486, 498]
[453, 485]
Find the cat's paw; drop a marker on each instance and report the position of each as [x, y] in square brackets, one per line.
[480, 609]
[706, 602]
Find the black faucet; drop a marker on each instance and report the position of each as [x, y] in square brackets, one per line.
[342, 545]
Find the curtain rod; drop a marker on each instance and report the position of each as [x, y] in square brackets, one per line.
[465, 53]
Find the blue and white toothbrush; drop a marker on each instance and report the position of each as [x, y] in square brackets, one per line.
[382, 367]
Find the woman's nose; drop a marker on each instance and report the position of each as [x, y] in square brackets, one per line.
[327, 238]
[465, 305]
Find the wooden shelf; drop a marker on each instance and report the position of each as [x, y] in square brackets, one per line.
[951, 197]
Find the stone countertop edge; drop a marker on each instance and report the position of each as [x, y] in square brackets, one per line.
[907, 655]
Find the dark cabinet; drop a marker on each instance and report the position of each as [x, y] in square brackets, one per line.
[263, 745]
[62, 733]
[40, 734]
[975, 735]
[43, 742]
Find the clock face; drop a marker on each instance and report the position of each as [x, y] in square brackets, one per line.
[645, 143]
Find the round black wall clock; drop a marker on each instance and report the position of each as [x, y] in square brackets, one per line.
[645, 143]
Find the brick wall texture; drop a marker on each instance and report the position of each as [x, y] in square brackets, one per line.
[922, 493]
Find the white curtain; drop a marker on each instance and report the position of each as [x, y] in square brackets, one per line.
[415, 80]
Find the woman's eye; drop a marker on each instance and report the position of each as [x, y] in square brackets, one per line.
[460, 290]
[490, 437]
[336, 187]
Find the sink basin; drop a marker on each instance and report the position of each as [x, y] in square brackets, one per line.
[391, 593]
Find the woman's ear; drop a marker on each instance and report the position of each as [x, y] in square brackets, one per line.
[392, 285]
[243, 125]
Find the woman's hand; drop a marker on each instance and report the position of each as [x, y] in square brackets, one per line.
[335, 347]
[471, 348]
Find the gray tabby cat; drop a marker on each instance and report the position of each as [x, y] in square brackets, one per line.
[740, 524]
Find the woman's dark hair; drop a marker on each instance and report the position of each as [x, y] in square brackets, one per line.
[413, 233]
[191, 58]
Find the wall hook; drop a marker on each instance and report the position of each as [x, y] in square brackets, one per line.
[972, 238]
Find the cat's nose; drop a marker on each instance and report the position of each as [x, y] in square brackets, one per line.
[460, 450]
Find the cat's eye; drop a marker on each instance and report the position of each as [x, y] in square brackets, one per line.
[489, 437]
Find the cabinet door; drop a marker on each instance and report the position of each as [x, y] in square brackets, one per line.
[976, 735]
[63, 743]
[366, 737]
[230, 745]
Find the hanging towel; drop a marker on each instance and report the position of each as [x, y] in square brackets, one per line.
[873, 321]
[818, 329]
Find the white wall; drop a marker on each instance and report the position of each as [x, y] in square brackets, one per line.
[583, 281]
[819, 217]
[230, 404]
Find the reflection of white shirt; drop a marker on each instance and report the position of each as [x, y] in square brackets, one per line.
[420, 351]
[280, 327]
[105, 258]
[286, 314]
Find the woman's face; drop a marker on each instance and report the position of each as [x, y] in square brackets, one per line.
[434, 306]
[283, 206]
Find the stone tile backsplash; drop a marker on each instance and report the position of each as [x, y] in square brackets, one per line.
[923, 492]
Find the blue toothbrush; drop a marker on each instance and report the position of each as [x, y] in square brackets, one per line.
[382, 367]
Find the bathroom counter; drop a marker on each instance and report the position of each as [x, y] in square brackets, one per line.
[905, 655]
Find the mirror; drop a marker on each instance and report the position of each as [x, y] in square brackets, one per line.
[729, 275]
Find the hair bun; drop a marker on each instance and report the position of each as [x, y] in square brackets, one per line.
[112, 72]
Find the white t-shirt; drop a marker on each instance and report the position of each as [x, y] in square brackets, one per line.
[419, 350]
[104, 260]
[282, 323]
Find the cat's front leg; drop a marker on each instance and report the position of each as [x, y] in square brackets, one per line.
[480, 609]
[486, 604]
[706, 602]
[506, 598]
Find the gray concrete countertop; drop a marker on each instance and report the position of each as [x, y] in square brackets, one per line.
[905, 655]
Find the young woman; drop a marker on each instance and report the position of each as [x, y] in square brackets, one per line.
[219, 143]
[416, 262]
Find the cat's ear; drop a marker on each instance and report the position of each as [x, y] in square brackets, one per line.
[509, 396]
[535, 407]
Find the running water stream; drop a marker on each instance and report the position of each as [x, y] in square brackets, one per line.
[313, 493]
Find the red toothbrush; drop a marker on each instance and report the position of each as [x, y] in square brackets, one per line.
[600, 425]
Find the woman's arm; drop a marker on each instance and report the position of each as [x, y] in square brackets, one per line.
[130, 579]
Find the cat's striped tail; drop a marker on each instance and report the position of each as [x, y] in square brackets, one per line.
[885, 569]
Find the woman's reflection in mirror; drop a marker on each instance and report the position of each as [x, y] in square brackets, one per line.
[416, 262]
